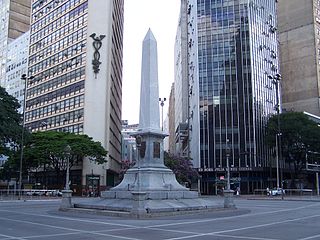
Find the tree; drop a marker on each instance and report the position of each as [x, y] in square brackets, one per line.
[182, 168]
[47, 151]
[10, 123]
[299, 136]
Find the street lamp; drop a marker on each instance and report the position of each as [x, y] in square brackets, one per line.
[66, 193]
[276, 81]
[67, 151]
[138, 143]
[228, 167]
[26, 79]
[162, 104]
[228, 193]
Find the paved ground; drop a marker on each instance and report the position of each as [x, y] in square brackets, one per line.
[267, 220]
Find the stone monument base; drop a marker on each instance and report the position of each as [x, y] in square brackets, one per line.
[66, 199]
[140, 207]
[151, 195]
[228, 199]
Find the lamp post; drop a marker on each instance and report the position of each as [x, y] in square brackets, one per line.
[276, 81]
[67, 151]
[138, 142]
[66, 193]
[228, 165]
[228, 193]
[26, 79]
[162, 104]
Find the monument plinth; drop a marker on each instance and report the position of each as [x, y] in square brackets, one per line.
[149, 187]
[149, 174]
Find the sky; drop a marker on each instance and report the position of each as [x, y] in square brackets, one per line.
[140, 15]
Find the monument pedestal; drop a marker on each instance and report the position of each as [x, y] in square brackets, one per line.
[149, 187]
[139, 202]
[66, 199]
[228, 199]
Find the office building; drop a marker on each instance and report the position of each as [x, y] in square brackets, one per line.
[232, 67]
[15, 20]
[16, 65]
[128, 146]
[299, 36]
[181, 84]
[171, 123]
[75, 57]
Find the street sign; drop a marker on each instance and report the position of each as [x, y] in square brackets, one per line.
[313, 167]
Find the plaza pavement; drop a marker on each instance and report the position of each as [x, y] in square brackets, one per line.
[255, 219]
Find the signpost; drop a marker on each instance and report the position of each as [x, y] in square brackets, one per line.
[314, 167]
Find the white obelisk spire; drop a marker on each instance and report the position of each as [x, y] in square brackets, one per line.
[149, 95]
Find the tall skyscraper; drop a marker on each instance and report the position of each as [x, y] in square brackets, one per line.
[15, 20]
[232, 67]
[76, 61]
[181, 84]
[171, 119]
[299, 36]
[16, 65]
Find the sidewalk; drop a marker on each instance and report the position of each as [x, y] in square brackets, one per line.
[285, 198]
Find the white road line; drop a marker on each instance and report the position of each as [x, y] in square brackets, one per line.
[70, 219]
[244, 228]
[243, 237]
[233, 217]
[74, 233]
[9, 237]
[64, 228]
[311, 237]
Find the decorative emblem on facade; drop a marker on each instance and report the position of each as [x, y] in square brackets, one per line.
[96, 55]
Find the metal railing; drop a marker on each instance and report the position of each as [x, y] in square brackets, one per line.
[28, 194]
[287, 192]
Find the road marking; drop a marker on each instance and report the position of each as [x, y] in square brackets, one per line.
[243, 237]
[244, 228]
[64, 228]
[74, 233]
[69, 218]
[233, 217]
[311, 237]
[9, 237]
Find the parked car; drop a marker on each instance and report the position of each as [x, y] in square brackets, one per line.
[277, 191]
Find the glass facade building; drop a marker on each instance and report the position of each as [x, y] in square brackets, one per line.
[17, 64]
[15, 21]
[233, 60]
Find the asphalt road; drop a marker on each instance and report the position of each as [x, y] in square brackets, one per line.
[267, 220]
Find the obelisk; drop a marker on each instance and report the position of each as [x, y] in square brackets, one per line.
[149, 118]
[149, 175]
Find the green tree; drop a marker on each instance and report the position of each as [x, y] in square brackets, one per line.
[10, 123]
[47, 151]
[299, 136]
[182, 168]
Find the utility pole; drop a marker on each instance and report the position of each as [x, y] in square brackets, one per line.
[26, 79]
[162, 104]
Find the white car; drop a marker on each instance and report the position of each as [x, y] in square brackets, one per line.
[277, 191]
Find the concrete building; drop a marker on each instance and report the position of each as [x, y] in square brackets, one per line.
[15, 20]
[232, 67]
[166, 145]
[181, 84]
[299, 36]
[171, 120]
[128, 146]
[76, 60]
[16, 65]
